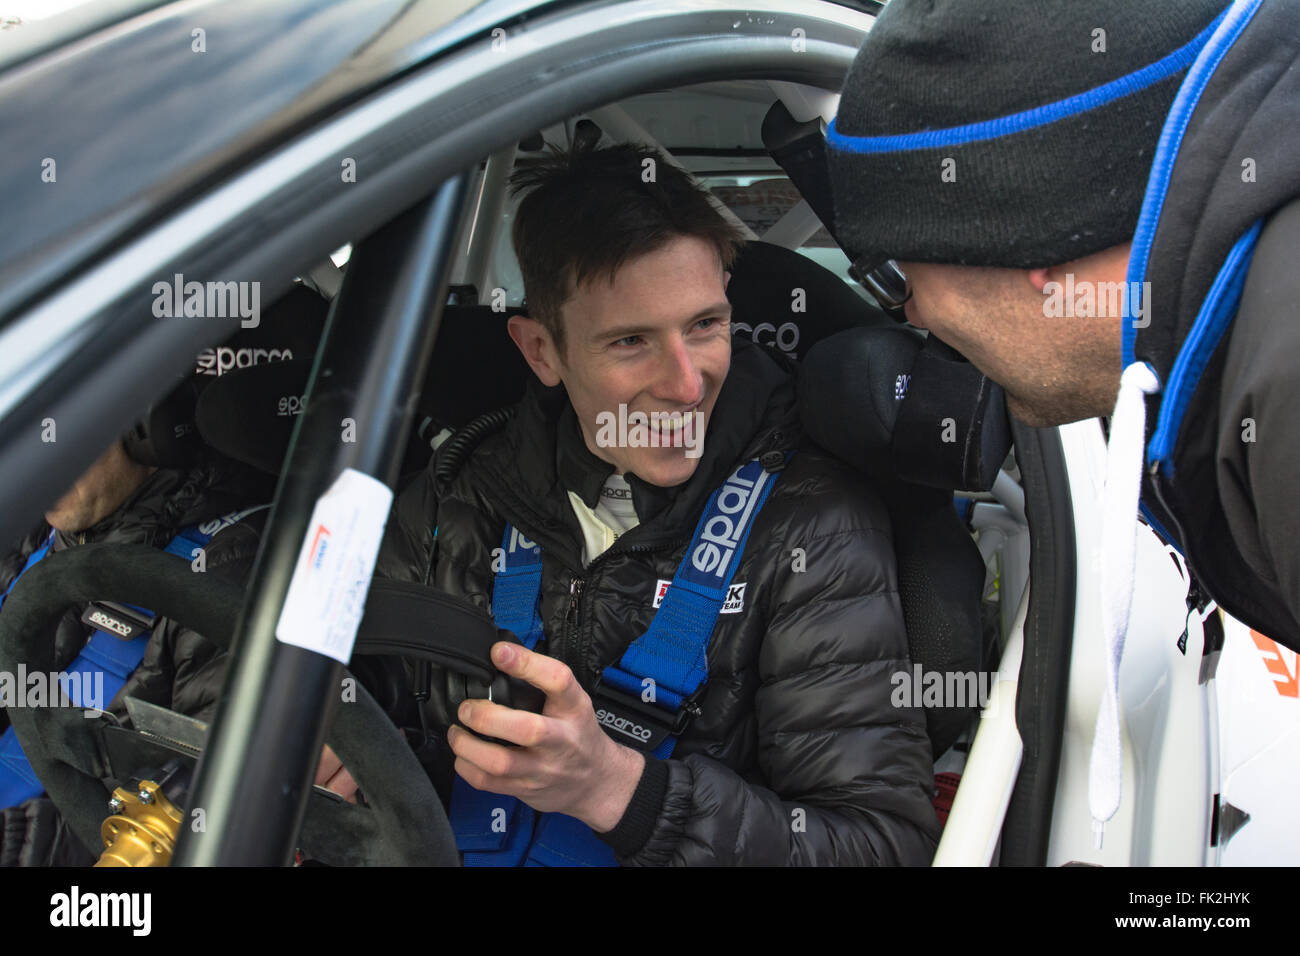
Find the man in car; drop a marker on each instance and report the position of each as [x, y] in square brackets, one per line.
[790, 751]
[1002, 158]
[125, 497]
[121, 500]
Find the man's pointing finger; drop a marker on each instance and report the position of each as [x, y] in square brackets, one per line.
[547, 674]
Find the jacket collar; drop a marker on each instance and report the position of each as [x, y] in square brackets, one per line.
[585, 474]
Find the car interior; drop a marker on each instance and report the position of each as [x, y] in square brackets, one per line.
[963, 550]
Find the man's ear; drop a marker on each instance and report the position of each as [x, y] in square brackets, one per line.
[726, 277]
[538, 350]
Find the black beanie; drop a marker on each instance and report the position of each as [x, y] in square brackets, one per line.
[1014, 133]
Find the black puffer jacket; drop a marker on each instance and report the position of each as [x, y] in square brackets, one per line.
[798, 756]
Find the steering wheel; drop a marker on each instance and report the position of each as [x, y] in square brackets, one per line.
[66, 750]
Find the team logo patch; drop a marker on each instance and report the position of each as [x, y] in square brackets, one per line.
[734, 604]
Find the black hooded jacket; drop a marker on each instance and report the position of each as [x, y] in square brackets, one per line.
[1231, 501]
[798, 756]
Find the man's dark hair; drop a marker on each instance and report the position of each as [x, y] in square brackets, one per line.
[592, 210]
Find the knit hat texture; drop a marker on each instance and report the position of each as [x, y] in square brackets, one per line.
[1015, 133]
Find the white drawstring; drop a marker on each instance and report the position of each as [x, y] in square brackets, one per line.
[1124, 459]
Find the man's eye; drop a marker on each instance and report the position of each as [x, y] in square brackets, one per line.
[627, 341]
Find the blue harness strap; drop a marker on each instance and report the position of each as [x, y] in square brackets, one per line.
[517, 586]
[105, 663]
[491, 829]
[17, 779]
[646, 697]
[668, 664]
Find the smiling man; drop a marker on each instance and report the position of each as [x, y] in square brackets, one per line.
[710, 602]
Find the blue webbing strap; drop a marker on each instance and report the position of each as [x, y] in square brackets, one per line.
[36, 555]
[17, 779]
[490, 828]
[517, 587]
[673, 653]
[561, 840]
[106, 659]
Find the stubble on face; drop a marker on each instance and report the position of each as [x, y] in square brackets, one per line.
[1054, 370]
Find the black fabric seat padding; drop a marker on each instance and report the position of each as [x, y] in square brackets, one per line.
[848, 405]
[940, 585]
[763, 279]
[476, 367]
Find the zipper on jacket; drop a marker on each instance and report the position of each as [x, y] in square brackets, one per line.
[568, 639]
[1197, 596]
[573, 649]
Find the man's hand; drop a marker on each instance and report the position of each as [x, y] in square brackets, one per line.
[564, 762]
[331, 774]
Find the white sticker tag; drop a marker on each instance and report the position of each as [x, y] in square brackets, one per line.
[734, 604]
[332, 577]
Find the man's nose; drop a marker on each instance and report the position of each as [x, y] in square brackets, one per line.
[679, 381]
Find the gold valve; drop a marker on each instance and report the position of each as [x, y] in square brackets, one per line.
[142, 830]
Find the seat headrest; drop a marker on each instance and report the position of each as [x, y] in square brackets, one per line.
[168, 434]
[476, 366]
[248, 414]
[783, 297]
[903, 406]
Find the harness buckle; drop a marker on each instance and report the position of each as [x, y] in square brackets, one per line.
[120, 620]
[634, 722]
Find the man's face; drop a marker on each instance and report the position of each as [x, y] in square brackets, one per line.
[1055, 367]
[655, 340]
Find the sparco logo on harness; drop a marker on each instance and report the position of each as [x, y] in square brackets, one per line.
[100, 619]
[624, 726]
[723, 529]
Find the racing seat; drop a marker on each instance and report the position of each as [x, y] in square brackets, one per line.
[940, 571]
